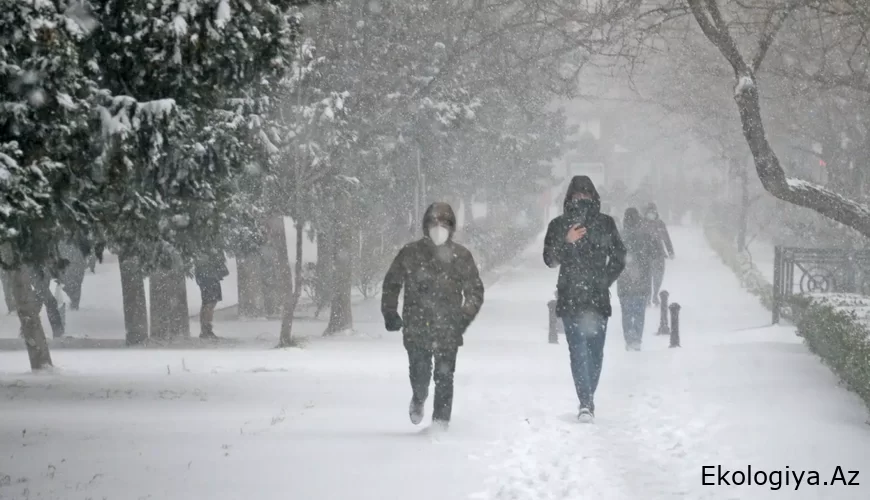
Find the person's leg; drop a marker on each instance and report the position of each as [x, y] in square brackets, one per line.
[640, 318]
[445, 367]
[594, 326]
[211, 295]
[420, 374]
[580, 365]
[658, 275]
[206, 319]
[626, 305]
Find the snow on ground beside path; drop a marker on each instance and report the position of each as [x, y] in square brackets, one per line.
[330, 421]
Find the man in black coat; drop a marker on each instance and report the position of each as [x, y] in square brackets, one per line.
[586, 245]
[443, 294]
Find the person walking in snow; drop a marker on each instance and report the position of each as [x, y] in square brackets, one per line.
[443, 293]
[209, 271]
[664, 248]
[586, 246]
[633, 285]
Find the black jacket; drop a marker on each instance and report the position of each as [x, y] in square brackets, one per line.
[589, 266]
[442, 285]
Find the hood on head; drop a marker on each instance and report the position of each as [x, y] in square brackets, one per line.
[439, 212]
[651, 209]
[632, 219]
[583, 184]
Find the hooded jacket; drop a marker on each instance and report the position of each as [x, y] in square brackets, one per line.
[589, 266]
[659, 231]
[443, 290]
[636, 278]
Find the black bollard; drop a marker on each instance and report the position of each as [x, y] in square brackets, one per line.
[675, 325]
[663, 318]
[553, 324]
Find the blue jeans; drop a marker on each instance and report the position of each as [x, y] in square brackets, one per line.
[585, 334]
[633, 315]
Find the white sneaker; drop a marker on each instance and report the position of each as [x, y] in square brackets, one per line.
[585, 416]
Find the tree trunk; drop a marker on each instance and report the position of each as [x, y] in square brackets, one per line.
[773, 178]
[251, 299]
[31, 325]
[278, 280]
[170, 316]
[344, 246]
[135, 304]
[744, 209]
[283, 284]
[293, 298]
[41, 283]
[323, 272]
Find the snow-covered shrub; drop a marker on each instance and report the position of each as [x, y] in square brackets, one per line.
[838, 335]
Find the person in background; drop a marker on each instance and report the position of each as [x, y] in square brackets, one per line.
[209, 272]
[443, 294]
[664, 248]
[633, 285]
[586, 246]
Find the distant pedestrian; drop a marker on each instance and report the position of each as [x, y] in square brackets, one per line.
[209, 272]
[634, 284]
[586, 245]
[664, 249]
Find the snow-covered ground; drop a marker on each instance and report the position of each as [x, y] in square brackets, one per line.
[329, 421]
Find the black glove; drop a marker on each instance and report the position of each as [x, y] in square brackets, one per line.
[393, 322]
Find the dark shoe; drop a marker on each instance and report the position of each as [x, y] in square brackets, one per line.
[208, 336]
[416, 411]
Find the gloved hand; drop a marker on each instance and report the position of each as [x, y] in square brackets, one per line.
[393, 322]
[463, 320]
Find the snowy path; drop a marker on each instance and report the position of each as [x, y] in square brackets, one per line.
[329, 421]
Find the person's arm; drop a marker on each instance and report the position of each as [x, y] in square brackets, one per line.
[615, 255]
[472, 289]
[392, 287]
[666, 237]
[554, 245]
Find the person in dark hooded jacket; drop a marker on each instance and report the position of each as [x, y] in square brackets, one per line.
[443, 294]
[633, 285]
[664, 248]
[586, 245]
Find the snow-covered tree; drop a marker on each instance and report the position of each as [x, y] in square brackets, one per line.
[184, 146]
[45, 184]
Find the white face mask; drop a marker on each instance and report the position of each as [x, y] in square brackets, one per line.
[439, 234]
[651, 216]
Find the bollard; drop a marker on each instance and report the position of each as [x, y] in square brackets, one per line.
[675, 324]
[663, 318]
[553, 324]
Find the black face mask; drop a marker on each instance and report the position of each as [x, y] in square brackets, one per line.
[578, 209]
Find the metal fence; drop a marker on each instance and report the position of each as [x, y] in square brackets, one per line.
[818, 270]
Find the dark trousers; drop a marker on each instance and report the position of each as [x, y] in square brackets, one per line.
[658, 275]
[586, 334]
[633, 316]
[420, 363]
